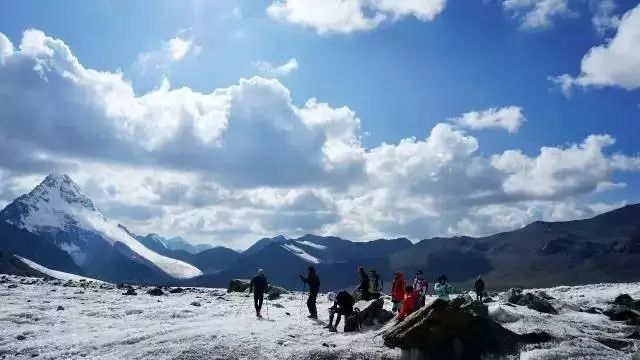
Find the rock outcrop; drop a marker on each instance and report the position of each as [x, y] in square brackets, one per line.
[443, 331]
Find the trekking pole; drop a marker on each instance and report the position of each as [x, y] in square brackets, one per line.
[241, 305]
[304, 285]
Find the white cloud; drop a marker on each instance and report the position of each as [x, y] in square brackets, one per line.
[614, 63]
[6, 47]
[246, 161]
[270, 70]
[537, 14]
[509, 118]
[347, 16]
[171, 51]
[603, 18]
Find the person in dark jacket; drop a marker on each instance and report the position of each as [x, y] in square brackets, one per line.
[342, 305]
[313, 281]
[259, 286]
[479, 287]
[365, 283]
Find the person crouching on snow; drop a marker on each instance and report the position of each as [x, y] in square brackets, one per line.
[410, 303]
[397, 291]
[342, 305]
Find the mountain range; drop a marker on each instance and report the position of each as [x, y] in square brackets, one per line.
[58, 227]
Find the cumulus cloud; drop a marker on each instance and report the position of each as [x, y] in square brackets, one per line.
[614, 63]
[270, 70]
[537, 14]
[246, 161]
[171, 51]
[603, 18]
[348, 16]
[509, 118]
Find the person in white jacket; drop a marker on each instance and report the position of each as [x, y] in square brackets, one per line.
[442, 288]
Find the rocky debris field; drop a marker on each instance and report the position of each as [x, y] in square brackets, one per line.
[55, 319]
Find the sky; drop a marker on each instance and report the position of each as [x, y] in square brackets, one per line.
[227, 121]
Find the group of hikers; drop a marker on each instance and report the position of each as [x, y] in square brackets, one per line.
[406, 298]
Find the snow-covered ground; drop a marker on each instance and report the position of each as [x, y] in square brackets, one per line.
[98, 322]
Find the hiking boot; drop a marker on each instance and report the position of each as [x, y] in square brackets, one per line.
[312, 316]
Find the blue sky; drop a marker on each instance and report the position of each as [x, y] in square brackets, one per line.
[400, 77]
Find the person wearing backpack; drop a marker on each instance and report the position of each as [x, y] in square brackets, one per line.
[420, 286]
[258, 286]
[409, 305]
[365, 283]
[376, 284]
[342, 306]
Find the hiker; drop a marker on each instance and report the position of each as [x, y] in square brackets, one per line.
[259, 286]
[479, 287]
[420, 286]
[342, 305]
[364, 284]
[313, 281]
[442, 288]
[376, 284]
[409, 305]
[397, 291]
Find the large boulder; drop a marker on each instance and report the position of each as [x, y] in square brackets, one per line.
[275, 292]
[370, 311]
[622, 313]
[238, 285]
[512, 295]
[536, 303]
[477, 308]
[155, 292]
[442, 331]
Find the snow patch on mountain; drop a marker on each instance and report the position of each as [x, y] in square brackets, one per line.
[313, 245]
[301, 253]
[54, 273]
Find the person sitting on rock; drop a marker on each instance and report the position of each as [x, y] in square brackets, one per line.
[409, 305]
[259, 286]
[397, 291]
[342, 305]
[442, 288]
[365, 283]
[479, 287]
[420, 285]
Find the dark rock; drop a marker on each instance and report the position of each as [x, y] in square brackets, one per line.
[60, 308]
[536, 338]
[458, 301]
[275, 292]
[384, 316]
[442, 331]
[625, 300]
[477, 308]
[616, 344]
[634, 335]
[130, 291]
[513, 295]
[12, 286]
[278, 305]
[195, 303]
[488, 300]
[238, 285]
[21, 337]
[544, 295]
[176, 290]
[592, 310]
[155, 292]
[620, 313]
[370, 312]
[537, 303]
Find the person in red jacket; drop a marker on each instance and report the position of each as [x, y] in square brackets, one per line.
[397, 291]
[410, 303]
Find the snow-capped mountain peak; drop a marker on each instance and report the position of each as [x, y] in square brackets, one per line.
[58, 209]
[55, 203]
